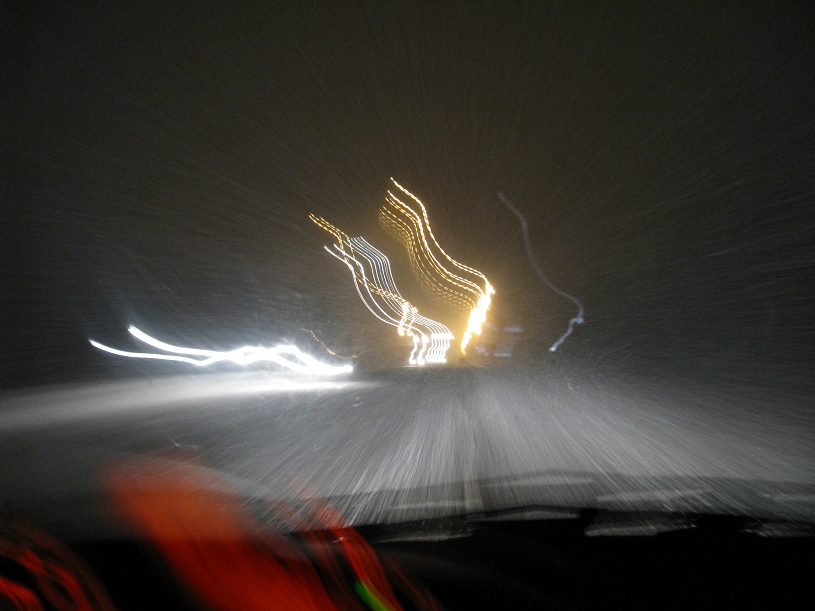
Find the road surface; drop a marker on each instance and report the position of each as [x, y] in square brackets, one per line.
[408, 443]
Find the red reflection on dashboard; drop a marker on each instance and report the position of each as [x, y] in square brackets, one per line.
[42, 573]
[194, 517]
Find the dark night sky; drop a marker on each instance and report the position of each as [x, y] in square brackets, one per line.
[162, 162]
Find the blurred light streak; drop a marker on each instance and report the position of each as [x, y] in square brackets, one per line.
[413, 229]
[242, 356]
[327, 349]
[431, 339]
[440, 335]
[406, 324]
[577, 320]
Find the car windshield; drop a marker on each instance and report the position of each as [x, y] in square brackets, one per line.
[424, 260]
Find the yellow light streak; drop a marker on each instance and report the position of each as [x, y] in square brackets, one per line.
[432, 279]
[417, 226]
[327, 349]
[412, 229]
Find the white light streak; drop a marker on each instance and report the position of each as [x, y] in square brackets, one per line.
[377, 290]
[440, 336]
[288, 356]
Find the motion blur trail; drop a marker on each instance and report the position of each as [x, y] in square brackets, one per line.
[577, 320]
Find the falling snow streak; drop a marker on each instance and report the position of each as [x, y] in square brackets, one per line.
[441, 275]
[374, 283]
